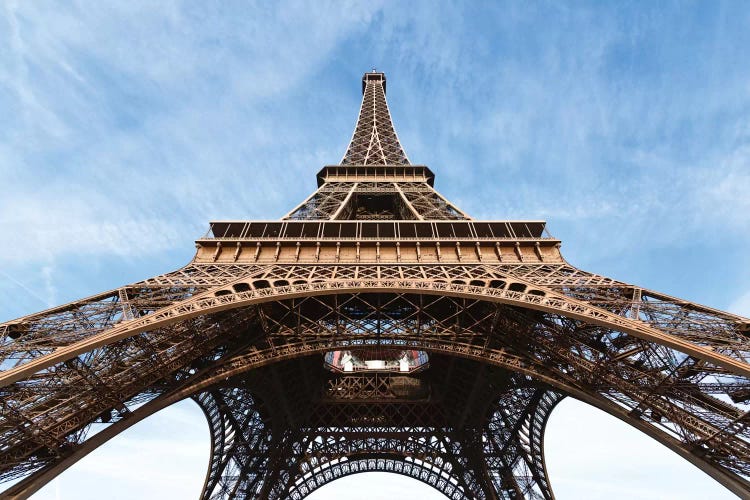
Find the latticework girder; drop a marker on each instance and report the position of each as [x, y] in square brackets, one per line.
[376, 201]
[338, 435]
[374, 141]
[671, 392]
[378, 263]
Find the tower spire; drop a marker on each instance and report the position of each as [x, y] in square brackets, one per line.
[374, 141]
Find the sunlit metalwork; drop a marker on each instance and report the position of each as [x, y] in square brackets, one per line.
[376, 327]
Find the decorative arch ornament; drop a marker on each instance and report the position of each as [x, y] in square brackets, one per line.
[378, 261]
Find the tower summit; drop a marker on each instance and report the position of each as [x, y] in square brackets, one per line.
[374, 141]
[375, 327]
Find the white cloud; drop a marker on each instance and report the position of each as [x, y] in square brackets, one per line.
[135, 155]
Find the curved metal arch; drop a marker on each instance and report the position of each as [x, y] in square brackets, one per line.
[529, 365]
[225, 298]
[535, 426]
[413, 470]
[429, 469]
[230, 430]
[436, 456]
[40, 333]
[520, 364]
[198, 383]
[528, 430]
[320, 458]
[732, 481]
[38, 479]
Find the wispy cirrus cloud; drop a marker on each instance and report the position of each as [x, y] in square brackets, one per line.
[592, 119]
[127, 128]
[128, 146]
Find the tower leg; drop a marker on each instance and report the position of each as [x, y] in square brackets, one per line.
[241, 443]
[513, 443]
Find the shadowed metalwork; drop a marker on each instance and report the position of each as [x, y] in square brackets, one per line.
[376, 327]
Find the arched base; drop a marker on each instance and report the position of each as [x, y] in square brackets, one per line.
[246, 347]
[464, 428]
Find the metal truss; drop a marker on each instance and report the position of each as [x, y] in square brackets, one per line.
[398, 200]
[325, 203]
[508, 327]
[429, 204]
[367, 428]
[374, 141]
[670, 395]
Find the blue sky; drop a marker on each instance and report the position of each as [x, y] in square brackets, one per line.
[125, 127]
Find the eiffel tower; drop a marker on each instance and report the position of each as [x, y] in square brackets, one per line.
[376, 327]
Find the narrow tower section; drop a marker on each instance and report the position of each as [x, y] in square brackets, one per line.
[375, 181]
[374, 141]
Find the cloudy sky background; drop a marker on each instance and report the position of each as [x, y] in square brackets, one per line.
[126, 127]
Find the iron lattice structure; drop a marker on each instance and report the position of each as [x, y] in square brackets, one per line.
[376, 327]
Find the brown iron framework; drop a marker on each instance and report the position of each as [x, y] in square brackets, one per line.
[376, 262]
